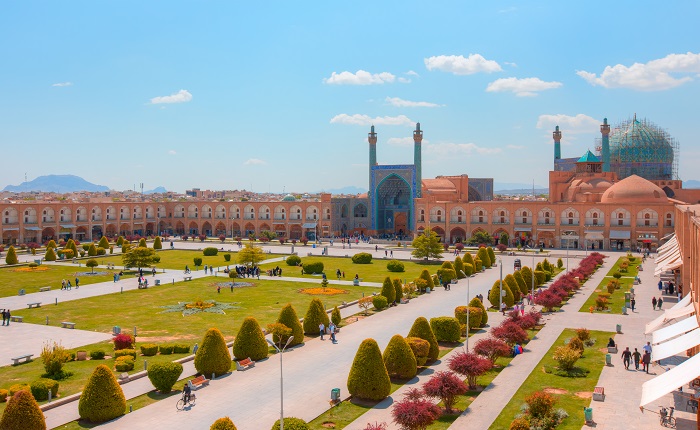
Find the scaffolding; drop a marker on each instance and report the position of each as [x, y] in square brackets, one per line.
[640, 147]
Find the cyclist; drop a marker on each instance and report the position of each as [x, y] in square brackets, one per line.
[186, 393]
[187, 269]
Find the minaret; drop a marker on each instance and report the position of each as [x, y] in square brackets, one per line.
[556, 135]
[605, 147]
[372, 139]
[417, 140]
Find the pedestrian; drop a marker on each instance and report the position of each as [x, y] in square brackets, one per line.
[385, 253]
[653, 303]
[660, 302]
[7, 317]
[646, 359]
[77, 282]
[661, 286]
[503, 308]
[154, 271]
[626, 357]
[114, 278]
[3, 316]
[391, 253]
[321, 329]
[218, 289]
[194, 350]
[522, 309]
[633, 302]
[332, 329]
[205, 269]
[637, 357]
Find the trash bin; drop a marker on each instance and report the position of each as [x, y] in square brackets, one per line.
[335, 394]
[624, 311]
[618, 328]
[157, 282]
[313, 245]
[588, 414]
[608, 360]
[116, 330]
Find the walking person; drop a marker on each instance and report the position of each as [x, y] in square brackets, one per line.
[77, 282]
[660, 302]
[661, 286]
[653, 303]
[626, 357]
[321, 329]
[154, 271]
[332, 329]
[633, 302]
[503, 308]
[636, 356]
[646, 359]
[7, 317]
[3, 316]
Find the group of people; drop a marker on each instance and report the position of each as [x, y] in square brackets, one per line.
[277, 271]
[249, 272]
[6, 317]
[330, 330]
[636, 356]
[66, 285]
[655, 302]
[116, 276]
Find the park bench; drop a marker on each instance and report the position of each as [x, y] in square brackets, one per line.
[16, 318]
[199, 381]
[26, 358]
[44, 289]
[187, 278]
[599, 394]
[34, 305]
[244, 364]
[66, 324]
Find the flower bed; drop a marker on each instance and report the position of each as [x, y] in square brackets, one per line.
[323, 291]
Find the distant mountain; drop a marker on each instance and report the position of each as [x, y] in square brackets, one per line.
[346, 190]
[157, 190]
[509, 186]
[691, 184]
[57, 184]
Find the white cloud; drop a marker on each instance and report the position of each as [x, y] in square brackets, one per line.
[398, 102]
[525, 87]
[361, 77]
[412, 73]
[510, 64]
[359, 119]
[453, 149]
[63, 84]
[181, 96]
[254, 162]
[172, 152]
[652, 76]
[569, 124]
[459, 65]
[515, 146]
[404, 80]
[404, 141]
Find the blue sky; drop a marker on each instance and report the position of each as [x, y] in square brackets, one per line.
[280, 95]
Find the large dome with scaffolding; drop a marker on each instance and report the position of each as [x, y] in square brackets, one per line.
[640, 147]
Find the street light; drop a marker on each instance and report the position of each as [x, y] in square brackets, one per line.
[281, 352]
[532, 272]
[466, 343]
[500, 287]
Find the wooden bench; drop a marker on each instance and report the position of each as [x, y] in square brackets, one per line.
[44, 289]
[26, 358]
[244, 364]
[66, 324]
[196, 383]
[187, 278]
[599, 394]
[16, 318]
[34, 305]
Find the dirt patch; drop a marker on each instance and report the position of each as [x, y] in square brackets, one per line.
[328, 425]
[584, 394]
[603, 350]
[551, 390]
[354, 319]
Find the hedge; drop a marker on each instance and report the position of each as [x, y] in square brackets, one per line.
[97, 355]
[210, 251]
[395, 266]
[166, 349]
[368, 378]
[164, 375]
[181, 348]
[124, 363]
[293, 260]
[102, 398]
[23, 413]
[421, 328]
[399, 359]
[313, 267]
[380, 302]
[16, 388]
[420, 349]
[40, 388]
[292, 423]
[149, 349]
[250, 341]
[125, 352]
[213, 356]
[446, 329]
[362, 258]
[224, 423]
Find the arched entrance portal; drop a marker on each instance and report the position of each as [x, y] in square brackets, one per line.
[393, 202]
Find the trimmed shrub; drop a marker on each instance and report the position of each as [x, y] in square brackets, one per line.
[445, 386]
[470, 365]
[467, 258]
[313, 267]
[388, 290]
[225, 423]
[478, 265]
[101, 251]
[293, 260]
[336, 318]
[425, 275]
[210, 251]
[97, 355]
[164, 375]
[446, 275]
[11, 257]
[142, 242]
[539, 277]
[250, 341]
[483, 255]
[395, 266]
[421, 328]
[124, 364]
[288, 317]
[197, 261]
[475, 302]
[123, 341]
[380, 302]
[3, 395]
[513, 286]
[102, 398]
[459, 267]
[399, 359]
[40, 389]
[50, 254]
[157, 243]
[362, 258]
[315, 315]
[522, 286]
[508, 299]
[227, 257]
[468, 269]
[492, 255]
[446, 329]
[398, 289]
[212, 355]
[15, 388]
[181, 348]
[474, 316]
[149, 349]
[124, 353]
[368, 378]
[420, 349]
[166, 349]
[566, 357]
[22, 412]
[292, 424]
[92, 250]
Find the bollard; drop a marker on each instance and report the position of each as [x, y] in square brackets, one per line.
[213, 375]
[173, 281]
[135, 331]
[145, 364]
[56, 301]
[131, 408]
[49, 395]
[122, 290]
[47, 320]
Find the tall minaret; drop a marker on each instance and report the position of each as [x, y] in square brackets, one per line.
[372, 139]
[605, 147]
[417, 140]
[556, 135]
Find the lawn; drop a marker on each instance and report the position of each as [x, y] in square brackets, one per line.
[177, 259]
[542, 377]
[617, 299]
[376, 271]
[142, 308]
[12, 279]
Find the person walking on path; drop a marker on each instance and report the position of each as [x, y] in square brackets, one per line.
[626, 357]
[77, 282]
[321, 329]
[661, 286]
[653, 303]
[503, 308]
[633, 302]
[6, 317]
[660, 302]
[331, 328]
[3, 316]
[646, 359]
[636, 356]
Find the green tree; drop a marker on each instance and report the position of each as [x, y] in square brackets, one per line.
[335, 316]
[250, 255]
[503, 239]
[388, 290]
[92, 263]
[51, 244]
[92, 250]
[526, 273]
[476, 303]
[492, 255]
[213, 356]
[102, 398]
[142, 242]
[399, 359]
[315, 315]
[522, 286]
[480, 237]
[224, 423]
[120, 241]
[398, 288]
[50, 254]
[288, 316]
[483, 255]
[139, 257]
[508, 299]
[427, 246]
[250, 341]
[22, 412]
[11, 257]
[421, 329]
[459, 267]
[157, 243]
[103, 243]
[368, 378]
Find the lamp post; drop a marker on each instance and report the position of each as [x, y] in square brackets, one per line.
[500, 287]
[466, 342]
[532, 294]
[281, 352]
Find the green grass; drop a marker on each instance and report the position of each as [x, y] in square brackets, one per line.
[376, 271]
[617, 299]
[12, 279]
[177, 259]
[592, 360]
[141, 308]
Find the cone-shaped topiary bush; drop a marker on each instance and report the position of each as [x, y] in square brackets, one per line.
[459, 267]
[483, 255]
[288, 316]
[292, 423]
[399, 359]
[425, 275]
[522, 286]
[398, 288]
[508, 299]
[492, 255]
[475, 302]
[120, 241]
[212, 355]
[526, 272]
[102, 398]
[92, 250]
[250, 341]
[50, 255]
[335, 316]
[420, 349]
[421, 328]
[224, 423]
[368, 378]
[11, 257]
[103, 243]
[22, 412]
[51, 244]
[513, 286]
[164, 375]
[315, 315]
[468, 259]
[388, 290]
[157, 243]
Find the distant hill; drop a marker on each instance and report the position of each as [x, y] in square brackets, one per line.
[510, 186]
[157, 190]
[346, 190]
[57, 184]
[691, 184]
[523, 191]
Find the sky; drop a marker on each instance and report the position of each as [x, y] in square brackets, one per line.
[280, 96]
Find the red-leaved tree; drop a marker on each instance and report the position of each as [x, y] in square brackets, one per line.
[446, 387]
[510, 333]
[470, 365]
[415, 414]
[548, 300]
[491, 348]
[123, 341]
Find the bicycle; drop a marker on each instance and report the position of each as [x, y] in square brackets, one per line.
[666, 419]
[182, 402]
